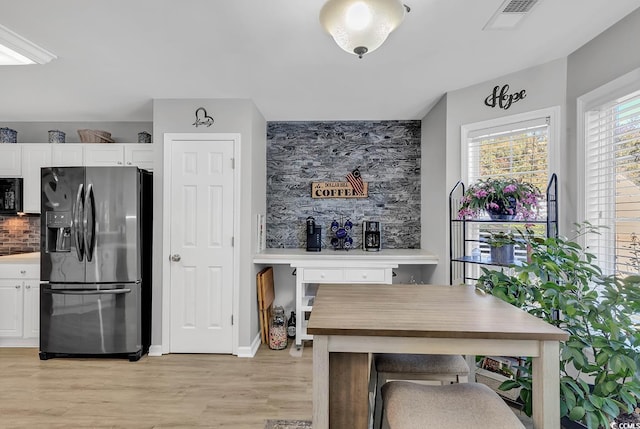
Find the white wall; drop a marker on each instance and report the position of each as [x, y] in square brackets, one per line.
[605, 58]
[545, 87]
[433, 170]
[231, 116]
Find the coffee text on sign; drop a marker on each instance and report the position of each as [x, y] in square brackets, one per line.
[337, 190]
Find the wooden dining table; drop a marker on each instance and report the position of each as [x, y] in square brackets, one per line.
[349, 322]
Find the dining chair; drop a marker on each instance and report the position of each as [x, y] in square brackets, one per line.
[402, 366]
[417, 406]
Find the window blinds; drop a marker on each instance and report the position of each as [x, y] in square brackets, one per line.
[612, 183]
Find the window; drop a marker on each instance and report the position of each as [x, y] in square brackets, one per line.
[612, 181]
[519, 150]
[520, 146]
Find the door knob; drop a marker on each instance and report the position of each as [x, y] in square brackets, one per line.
[175, 258]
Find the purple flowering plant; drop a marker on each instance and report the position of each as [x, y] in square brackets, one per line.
[500, 196]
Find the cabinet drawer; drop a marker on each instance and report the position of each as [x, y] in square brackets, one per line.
[19, 271]
[365, 275]
[321, 275]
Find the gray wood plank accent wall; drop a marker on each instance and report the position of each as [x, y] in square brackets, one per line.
[388, 155]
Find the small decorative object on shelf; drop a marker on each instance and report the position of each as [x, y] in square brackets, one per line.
[278, 329]
[144, 137]
[342, 240]
[502, 247]
[501, 198]
[95, 136]
[57, 136]
[7, 135]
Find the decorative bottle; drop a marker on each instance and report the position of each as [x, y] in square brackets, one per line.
[291, 325]
[278, 329]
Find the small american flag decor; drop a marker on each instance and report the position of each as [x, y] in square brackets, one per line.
[355, 187]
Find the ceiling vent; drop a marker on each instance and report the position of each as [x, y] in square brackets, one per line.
[510, 14]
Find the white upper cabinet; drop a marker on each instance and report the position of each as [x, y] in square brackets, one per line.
[67, 155]
[140, 155]
[113, 154]
[34, 157]
[10, 160]
[103, 154]
[26, 160]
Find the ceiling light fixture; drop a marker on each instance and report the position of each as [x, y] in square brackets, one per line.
[361, 26]
[16, 50]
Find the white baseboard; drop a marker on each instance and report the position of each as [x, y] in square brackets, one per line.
[155, 351]
[249, 352]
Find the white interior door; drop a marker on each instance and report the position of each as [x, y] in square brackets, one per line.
[202, 257]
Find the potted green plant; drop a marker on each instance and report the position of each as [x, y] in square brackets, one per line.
[502, 198]
[600, 362]
[502, 247]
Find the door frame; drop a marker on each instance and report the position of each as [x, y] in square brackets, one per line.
[168, 141]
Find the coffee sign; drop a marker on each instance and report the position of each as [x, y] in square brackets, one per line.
[337, 190]
[500, 97]
[354, 187]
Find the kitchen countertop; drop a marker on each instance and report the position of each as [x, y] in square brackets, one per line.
[296, 256]
[21, 258]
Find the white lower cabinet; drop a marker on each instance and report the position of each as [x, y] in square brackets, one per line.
[19, 305]
[11, 305]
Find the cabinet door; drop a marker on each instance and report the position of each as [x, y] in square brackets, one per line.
[140, 155]
[10, 160]
[103, 154]
[10, 308]
[34, 157]
[31, 317]
[67, 155]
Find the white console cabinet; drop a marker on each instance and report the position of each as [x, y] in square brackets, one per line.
[310, 274]
[341, 267]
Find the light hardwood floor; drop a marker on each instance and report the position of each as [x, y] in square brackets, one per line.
[172, 391]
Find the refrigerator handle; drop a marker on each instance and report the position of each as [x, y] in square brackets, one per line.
[78, 210]
[89, 233]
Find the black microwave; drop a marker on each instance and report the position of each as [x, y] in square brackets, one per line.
[10, 195]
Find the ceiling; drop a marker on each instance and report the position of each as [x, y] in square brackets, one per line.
[116, 56]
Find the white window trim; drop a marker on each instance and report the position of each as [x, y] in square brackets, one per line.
[619, 87]
[554, 114]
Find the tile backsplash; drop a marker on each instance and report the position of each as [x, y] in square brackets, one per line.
[388, 156]
[19, 234]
